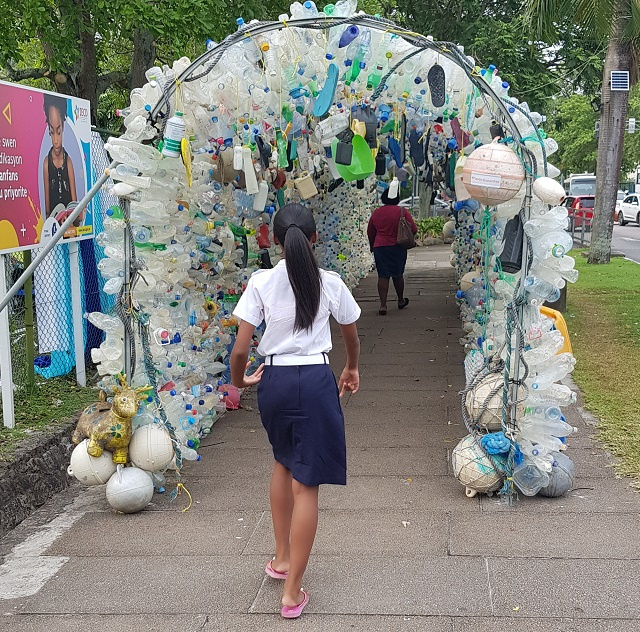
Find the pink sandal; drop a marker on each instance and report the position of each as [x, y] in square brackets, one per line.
[293, 612]
[272, 572]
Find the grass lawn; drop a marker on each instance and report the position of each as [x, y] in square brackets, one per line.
[52, 403]
[604, 324]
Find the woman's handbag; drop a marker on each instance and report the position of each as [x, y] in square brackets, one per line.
[405, 237]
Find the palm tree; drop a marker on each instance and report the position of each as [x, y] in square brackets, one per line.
[618, 22]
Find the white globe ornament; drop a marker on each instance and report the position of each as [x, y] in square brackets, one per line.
[129, 490]
[151, 448]
[473, 469]
[449, 229]
[493, 174]
[88, 469]
[484, 407]
[549, 191]
[466, 282]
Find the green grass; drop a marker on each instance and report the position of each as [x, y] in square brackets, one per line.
[52, 403]
[604, 324]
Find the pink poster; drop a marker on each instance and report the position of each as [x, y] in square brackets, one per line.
[45, 165]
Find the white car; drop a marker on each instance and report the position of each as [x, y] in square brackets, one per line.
[629, 209]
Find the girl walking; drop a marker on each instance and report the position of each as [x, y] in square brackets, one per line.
[298, 397]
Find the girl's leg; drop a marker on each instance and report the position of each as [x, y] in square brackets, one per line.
[398, 283]
[281, 497]
[303, 532]
[383, 290]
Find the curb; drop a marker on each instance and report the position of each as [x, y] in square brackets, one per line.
[37, 472]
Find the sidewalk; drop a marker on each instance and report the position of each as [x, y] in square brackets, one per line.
[400, 548]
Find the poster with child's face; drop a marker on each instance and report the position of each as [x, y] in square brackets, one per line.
[45, 166]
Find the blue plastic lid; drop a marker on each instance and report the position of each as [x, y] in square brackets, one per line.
[239, 21]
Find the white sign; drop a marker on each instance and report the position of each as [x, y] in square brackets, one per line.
[489, 180]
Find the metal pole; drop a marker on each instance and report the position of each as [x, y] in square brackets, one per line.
[76, 309]
[126, 295]
[28, 324]
[6, 372]
[46, 249]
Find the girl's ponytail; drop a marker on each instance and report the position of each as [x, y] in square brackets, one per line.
[294, 227]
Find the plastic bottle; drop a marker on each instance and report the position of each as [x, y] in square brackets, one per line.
[554, 244]
[553, 371]
[528, 478]
[173, 134]
[556, 428]
[542, 289]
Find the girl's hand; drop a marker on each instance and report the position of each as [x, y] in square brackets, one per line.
[349, 381]
[252, 380]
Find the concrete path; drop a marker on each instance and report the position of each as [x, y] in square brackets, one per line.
[400, 548]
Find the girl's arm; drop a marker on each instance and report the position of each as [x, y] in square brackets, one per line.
[350, 378]
[239, 355]
[72, 180]
[45, 175]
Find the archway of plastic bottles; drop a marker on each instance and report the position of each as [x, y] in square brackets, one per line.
[326, 108]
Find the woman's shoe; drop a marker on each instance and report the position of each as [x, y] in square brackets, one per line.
[293, 612]
[403, 304]
[272, 572]
[382, 311]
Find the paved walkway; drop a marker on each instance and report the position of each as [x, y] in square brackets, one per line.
[400, 548]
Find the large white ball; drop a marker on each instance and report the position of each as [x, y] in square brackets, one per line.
[493, 174]
[129, 490]
[151, 448]
[449, 229]
[549, 191]
[88, 469]
[472, 467]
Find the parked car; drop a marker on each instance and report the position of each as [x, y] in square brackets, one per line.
[629, 210]
[580, 210]
[619, 200]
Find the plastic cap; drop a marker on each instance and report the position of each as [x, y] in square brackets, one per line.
[239, 21]
[178, 113]
[307, 5]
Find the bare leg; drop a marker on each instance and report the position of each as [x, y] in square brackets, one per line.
[303, 532]
[281, 497]
[383, 290]
[398, 283]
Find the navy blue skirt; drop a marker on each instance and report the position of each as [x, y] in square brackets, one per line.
[301, 412]
[390, 261]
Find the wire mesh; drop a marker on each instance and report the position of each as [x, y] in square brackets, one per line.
[41, 330]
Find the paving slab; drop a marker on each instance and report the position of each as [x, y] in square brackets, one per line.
[405, 461]
[367, 533]
[121, 584]
[154, 534]
[590, 495]
[538, 624]
[566, 535]
[402, 586]
[580, 589]
[185, 622]
[393, 435]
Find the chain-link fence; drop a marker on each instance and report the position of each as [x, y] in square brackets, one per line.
[41, 316]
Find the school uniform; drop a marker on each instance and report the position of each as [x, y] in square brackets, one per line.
[298, 395]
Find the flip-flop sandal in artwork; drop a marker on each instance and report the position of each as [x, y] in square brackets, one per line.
[436, 79]
[325, 98]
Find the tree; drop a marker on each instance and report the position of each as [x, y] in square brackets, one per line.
[493, 31]
[618, 23]
[85, 48]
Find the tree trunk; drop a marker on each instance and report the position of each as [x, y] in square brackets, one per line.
[144, 57]
[88, 68]
[613, 119]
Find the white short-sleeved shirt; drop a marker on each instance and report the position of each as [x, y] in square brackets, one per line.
[269, 297]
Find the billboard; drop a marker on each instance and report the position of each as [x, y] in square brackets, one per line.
[45, 165]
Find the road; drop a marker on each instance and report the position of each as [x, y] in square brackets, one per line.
[627, 239]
